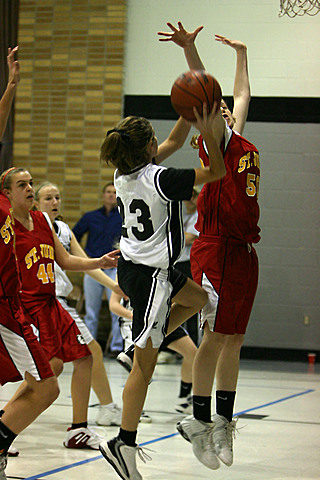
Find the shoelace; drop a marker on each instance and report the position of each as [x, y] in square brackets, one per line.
[232, 429]
[143, 454]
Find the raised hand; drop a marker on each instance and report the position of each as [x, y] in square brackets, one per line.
[204, 123]
[236, 44]
[179, 35]
[13, 67]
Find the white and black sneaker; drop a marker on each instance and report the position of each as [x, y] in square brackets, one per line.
[184, 405]
[3, 464]
[123, 458]
[126, 358]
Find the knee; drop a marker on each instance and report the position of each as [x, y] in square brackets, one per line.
[46, 391]
[96, 350]
[56, 365]
[83, 363]
[52, 390]
[238, 341]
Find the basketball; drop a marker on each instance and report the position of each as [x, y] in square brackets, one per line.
[193, 89]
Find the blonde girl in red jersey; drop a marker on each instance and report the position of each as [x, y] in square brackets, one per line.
[37, 246]
[48, 199]
[223, 260]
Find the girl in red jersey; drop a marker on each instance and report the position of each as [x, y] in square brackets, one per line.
[21, 355]
[223, 260]
[36, 248]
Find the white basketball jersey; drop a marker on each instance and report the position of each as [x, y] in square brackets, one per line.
[63, 284]
[149, 200]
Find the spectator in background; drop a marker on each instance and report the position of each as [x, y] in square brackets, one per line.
[104, 229]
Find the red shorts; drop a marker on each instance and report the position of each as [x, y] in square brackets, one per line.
[228, 271]
[20, 350]
[57, 331]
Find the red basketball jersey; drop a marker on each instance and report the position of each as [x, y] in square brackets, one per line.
[9, 276]
[35, 254]
[229, 208]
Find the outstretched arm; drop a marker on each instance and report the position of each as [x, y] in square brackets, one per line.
[98, 274]
[7, 98]
[185, 40]
[241, 89]
[79, 264]
[176, 139]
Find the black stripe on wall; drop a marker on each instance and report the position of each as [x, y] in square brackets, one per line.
[262, 109]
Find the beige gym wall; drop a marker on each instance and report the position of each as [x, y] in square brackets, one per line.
[71, 55]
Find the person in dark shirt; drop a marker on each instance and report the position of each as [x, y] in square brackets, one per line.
[104, 229]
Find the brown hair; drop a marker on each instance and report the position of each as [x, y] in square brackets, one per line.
[6, 177]
[107, 185]
[125, 146]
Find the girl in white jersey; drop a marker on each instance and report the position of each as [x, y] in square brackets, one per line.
[47, 199]
[149, 199]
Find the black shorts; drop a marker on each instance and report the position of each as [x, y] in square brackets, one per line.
[150, 291]
[178, 333]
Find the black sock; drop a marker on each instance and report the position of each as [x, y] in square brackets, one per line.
[6, 438]
[185, 389]
[202, 408]
[79, 425]
[129, 438]
[225, 403]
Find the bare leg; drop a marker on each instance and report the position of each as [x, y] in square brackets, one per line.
[186, 347]
[80, 388]
[228, 363]
[206, 361]
[99, 378]
[189, 300]
[33, 399]
[136, 387]
[56, 366]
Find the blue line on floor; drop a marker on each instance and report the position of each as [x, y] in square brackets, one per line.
[274, 402]
[88, 460]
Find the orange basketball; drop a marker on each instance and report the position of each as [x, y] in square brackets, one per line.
[193, 89]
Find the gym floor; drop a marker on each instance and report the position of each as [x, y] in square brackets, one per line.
[278, 433]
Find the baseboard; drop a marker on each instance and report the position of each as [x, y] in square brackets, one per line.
[281, 354]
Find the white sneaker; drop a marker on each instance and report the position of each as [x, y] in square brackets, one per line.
[200, 435]
[184, 405]
[123, 458]
[3, 464]
[82, 438]
[109, 415]
[223, 434]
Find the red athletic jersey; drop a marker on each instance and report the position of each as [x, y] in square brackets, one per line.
[35, 254]
[229, 208]
[9, 276]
